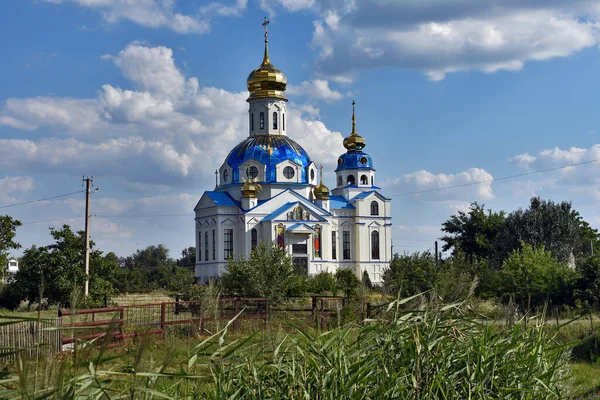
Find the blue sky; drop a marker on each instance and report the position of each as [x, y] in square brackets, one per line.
[148, 96]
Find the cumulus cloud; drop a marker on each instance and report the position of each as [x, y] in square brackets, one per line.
[166, 131]
[148, 13]
[317, 88]
[14, 185]
[428, 184]
[456, 35]
[271, 6]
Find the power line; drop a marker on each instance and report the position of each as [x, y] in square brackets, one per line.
[503, 178]
[50, 220]
[37, 201]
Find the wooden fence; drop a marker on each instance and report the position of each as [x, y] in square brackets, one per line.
[25, 336]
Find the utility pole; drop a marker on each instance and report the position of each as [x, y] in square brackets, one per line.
[436, 252]
[89, 181]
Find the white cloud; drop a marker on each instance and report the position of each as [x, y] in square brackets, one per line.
[14, 185]
[236, 9]
[288, 5]
[317, 88]
[456, 35]
[17, 124]
[148, 13]
[428, 183]
[164, 133]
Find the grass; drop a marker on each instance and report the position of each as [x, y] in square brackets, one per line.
[585, 380]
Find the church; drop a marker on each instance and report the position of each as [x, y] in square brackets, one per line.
[269, 189]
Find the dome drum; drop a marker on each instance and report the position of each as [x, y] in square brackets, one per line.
[354, 160]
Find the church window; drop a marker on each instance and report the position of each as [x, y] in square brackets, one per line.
[288, 172]
[317, 241]
[340, 161]
[225, 175]
[375, 245]
[252, 172]
[346, 244]
[363, 160]
[214, 245]
[339, 181]
[374, 208]
[206, 246]
[372, 184]
[333, 246]
[199, 252]
[262, 120]
[351, 180]
[254, 235]
[364, 180]
[298, 213]
[283, 122]
[228, 243]
[312, 174]
[274, 120]
[252, 121]
[280, 235]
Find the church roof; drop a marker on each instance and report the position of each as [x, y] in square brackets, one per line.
[364, 195]
[222, 199]
[337, 202]
[268, 150]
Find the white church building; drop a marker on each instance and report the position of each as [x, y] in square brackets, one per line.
[269, 189]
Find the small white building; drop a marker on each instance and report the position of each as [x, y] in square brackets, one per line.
[13, 266]
[269, 190]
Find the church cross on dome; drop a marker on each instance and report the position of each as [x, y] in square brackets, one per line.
[266, 25]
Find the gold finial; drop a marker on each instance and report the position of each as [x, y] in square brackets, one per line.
[353, 119]
[266, 23]
[321, 191]
[321, 169]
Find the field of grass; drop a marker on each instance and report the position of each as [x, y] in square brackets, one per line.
[415, 353]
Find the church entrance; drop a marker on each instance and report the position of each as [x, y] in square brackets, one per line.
[301, 265]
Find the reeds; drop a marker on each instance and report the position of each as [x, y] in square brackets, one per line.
[432, 352]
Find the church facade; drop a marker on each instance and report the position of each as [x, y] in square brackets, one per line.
[269, 189]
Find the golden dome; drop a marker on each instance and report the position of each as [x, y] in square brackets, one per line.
[321, 192]
[354, 141]
[266, 80]
[250, 189]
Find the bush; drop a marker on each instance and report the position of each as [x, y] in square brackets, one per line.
[347, 282]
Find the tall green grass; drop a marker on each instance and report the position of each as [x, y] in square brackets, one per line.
[430, 352]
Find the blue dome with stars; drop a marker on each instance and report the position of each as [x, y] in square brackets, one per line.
[269, 150]
[354, 160]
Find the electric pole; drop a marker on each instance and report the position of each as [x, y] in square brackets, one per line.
[88, 184]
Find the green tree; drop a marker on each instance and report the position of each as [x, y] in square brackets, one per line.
[188, 258]
[556, 226]
[366, 280]
[476, 233]
[533, 276]
[411, 274]
[322, 283]
[268, 272]
[8, 230]
[588, 282]
[347, 282]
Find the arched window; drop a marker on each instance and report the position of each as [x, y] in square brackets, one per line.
[274, 120]
[364, 180]
[261, 124]
[351, 180]
[312, 174]
[339, 181]
[372, 184]
[225, 175]
[374, 208]
[375, 245]
[252, 121]
[206, 246]
[252, 172]
[254, 235]
[283, 118]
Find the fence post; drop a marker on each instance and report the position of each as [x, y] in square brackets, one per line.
[105, 300]
[322, 317]
[266, 311]
[314, 310]
[368, 310]
[177, 304]
[163, 316]
[236, 306]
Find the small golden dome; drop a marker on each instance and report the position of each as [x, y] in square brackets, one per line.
[321, 192]
[250, 189]
[266, 80]
[354, 141]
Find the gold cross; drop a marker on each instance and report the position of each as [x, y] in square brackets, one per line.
[265, 24]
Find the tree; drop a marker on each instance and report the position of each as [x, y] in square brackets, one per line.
[347, 282]
[188, 258]
[322, 283]
[8, 230]
[411, 274]
[556, 226]
[366, 280]
[268, 272]
[475, 233]
[533, 276]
